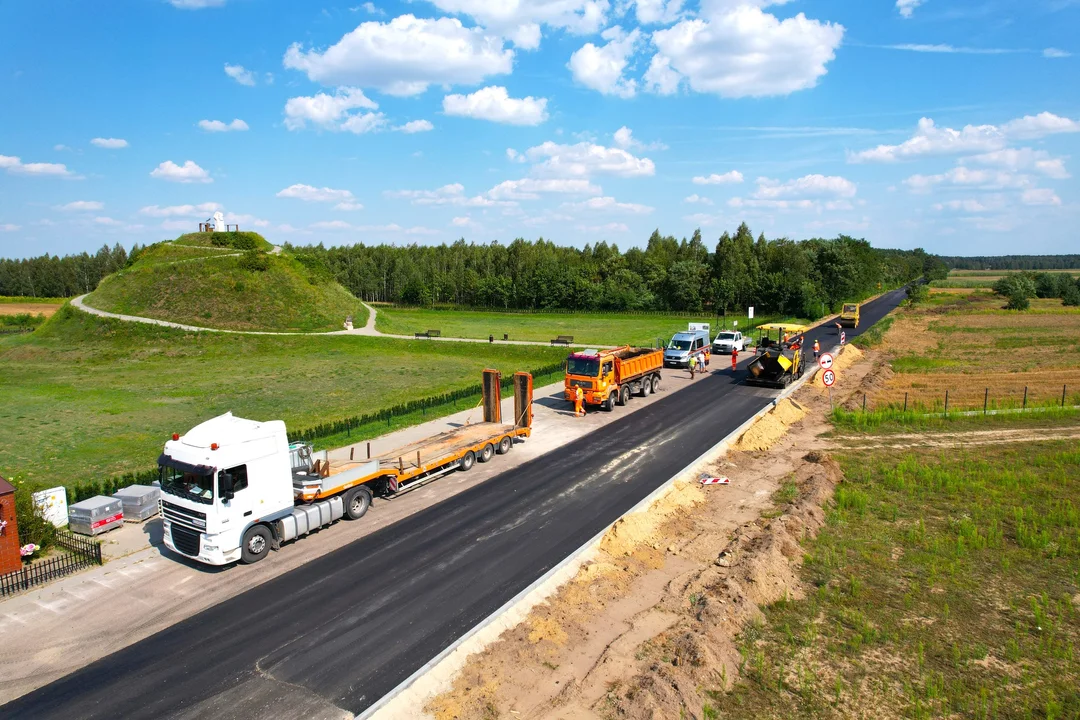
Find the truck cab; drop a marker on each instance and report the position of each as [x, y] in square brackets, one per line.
[849, 315]
[221, 479]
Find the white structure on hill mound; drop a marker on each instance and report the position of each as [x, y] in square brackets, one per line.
[217, 224]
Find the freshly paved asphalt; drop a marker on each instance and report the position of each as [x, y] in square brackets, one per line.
[344, 629]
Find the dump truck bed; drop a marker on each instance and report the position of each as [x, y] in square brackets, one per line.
[632, 363]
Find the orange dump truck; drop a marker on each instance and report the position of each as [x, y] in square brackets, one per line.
[610, 377]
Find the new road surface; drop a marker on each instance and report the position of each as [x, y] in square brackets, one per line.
[331, 637]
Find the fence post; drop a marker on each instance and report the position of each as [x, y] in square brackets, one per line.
[946, 403]
[986, 399]
[905, 402]
[1063, 395]
[864, 402]
[1024, 406]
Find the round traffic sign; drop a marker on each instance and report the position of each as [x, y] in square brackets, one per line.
[828, 377]
[825, 361]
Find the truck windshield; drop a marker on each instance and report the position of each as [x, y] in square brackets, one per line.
[192, 486]
[850, 308]
[679, 344]
[588, 367]
[726, 336]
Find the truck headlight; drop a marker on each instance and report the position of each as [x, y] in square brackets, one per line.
[210, 548]
[198, 523]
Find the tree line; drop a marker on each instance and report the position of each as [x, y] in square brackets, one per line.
[1014, 262]
[778, 276]
[55, 276]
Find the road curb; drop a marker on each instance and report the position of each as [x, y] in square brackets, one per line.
[407, 700]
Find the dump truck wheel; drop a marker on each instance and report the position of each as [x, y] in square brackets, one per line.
[624, 395]
[646, 387]
[357, 502]
[655, 384]
[468, 461]
[609, 404]
[256, 544]
[505, 445]
[486, 454]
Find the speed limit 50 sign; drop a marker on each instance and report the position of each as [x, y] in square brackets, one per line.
[828, 377]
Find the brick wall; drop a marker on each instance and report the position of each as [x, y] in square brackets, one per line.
[9, 540]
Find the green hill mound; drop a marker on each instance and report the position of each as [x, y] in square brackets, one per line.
[209, 281]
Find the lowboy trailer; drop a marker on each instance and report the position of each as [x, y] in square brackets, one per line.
[233, 489]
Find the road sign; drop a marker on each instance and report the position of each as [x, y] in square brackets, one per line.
[715, 481]
[828, 377]
[825, 361]
[843, 337]
[750, 314]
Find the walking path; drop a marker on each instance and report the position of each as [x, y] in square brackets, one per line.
[368, 330]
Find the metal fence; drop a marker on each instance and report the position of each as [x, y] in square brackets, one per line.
[78, 553]
[951, 401]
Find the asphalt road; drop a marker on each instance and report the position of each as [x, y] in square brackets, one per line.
[346, 628]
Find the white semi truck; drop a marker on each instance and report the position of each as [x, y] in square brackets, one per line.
[233, 489]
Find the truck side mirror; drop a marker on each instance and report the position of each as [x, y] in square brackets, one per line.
[225, 486]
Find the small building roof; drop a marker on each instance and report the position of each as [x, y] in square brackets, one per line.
[6, 488]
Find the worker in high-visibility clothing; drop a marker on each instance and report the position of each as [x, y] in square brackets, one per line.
[693, 363]
[734, 359]
[817, 348]
[579, 398]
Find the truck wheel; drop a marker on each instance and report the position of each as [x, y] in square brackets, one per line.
[655, 384]
[486, 454]
[609, 404]
[505, 445]
[357, 502]
[467, 462]
[624, 395]
[646, 387]
[256, 544]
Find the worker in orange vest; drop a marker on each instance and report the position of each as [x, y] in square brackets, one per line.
[817, 348]
[579, 397]
[734, 359]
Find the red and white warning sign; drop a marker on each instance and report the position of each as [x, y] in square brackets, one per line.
[715, 481]
[843, 337]
[825, 361]
[828, 377]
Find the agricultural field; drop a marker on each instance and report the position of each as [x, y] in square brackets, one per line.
[588, 328]
[944, 584]
[970, 279]
[86, 397]
[966, 344]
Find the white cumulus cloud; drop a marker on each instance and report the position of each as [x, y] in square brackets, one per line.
[808, 186]
[109, 143]
[601, 67]
[697, 199]
[452, 194]
[651, 12]
[327, 111]
[309, 193]
[907, 7]
[237, 125]
[1056, 53]
[609, 204]
[967, 177]
[1040, 196]
[79, 205]
[520, 20]
[240, 74]
[405, 56]
[737, 50]
[1022, 159]
[495, 104]
[189, 172]
[416, 126]
[9, 227]
[1031, 127]
[16, 166]
[732, 176]
[585, 159]
[200, 210]
[533, 188]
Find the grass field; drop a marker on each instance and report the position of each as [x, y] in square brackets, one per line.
[984, 278]
[945, 584]
[86, 397]
[210, 287]
[965, 343]
[587, 328]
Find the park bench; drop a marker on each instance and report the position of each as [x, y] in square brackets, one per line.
[563, 340]
[428, 334]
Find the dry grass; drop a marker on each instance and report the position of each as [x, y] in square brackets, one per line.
[965, 343]
[46, 309]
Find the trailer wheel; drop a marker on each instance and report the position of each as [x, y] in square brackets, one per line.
[646, 387]
[256, 544]
[486, 454]
[655, 383]
[357, 502]
[624, 395]
[467, 462]
[505, 445]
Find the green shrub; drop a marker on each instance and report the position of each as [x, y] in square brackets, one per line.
[255, 261]
[243, 241]
[32, 527]
[917, 293]
[1070, 293]
[1018, 289]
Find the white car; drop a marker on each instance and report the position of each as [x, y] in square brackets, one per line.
[728, 340]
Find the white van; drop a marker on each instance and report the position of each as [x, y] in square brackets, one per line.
[684, 345]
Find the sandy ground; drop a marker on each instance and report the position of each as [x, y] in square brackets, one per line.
[63, 626]
[46, 309]
[646, 627]
[946, 440]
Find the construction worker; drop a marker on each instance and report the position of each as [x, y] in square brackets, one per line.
[734, 359]
[579, 398]
[817, 348]
[693, 365]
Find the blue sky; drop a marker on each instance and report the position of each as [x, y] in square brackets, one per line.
[948, 125]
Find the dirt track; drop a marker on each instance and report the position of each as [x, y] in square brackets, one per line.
[46, 309]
